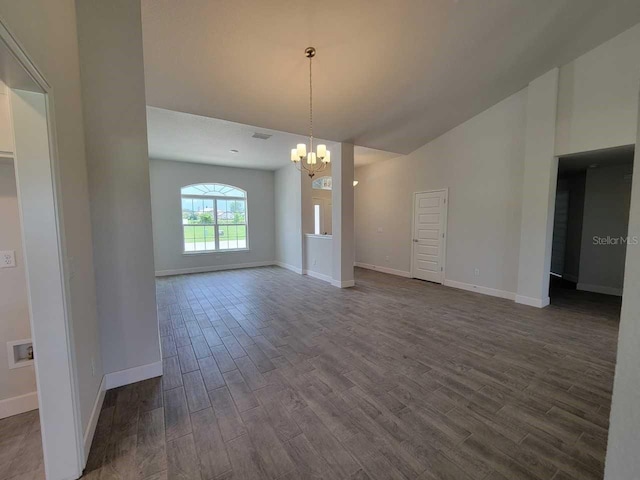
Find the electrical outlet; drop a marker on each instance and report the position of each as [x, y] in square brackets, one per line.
[7, 259]
[476, 272]
[386, 258]
[379, 229]
[315, 262]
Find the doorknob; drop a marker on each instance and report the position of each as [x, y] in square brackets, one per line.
[415, 240]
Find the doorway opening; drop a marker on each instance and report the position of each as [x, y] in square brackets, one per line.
[593, 197]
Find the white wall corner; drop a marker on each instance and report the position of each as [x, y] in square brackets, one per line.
[344, 283]
[17, 405]
[533, 302]
[133, 375]
[288, 267]
[93, 420]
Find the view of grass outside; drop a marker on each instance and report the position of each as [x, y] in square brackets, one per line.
[205, 219]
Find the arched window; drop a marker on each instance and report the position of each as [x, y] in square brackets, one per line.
[214, 218]
[322, 183]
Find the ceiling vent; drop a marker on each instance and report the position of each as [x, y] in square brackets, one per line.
[262, 136]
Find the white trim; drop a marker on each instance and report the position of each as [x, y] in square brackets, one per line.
[533, 302]
[212, 268]
[93, 419]
[17, 405]
[319, 276]
[289, 267]
[444, 228]
[390, 271]
[494, 292]
[599, 289]
[343, 284]
[133, 375]
[313, 235]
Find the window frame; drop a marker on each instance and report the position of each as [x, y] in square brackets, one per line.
[216, 225]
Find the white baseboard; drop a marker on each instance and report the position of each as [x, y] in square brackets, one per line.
[133, 375]
[533, 302]
[319, 276]
[17, 405]
[480, 289]
[390, 271]
[289, 267]
[212, 268]
[600, 289]
[343, 284]
[93, 420]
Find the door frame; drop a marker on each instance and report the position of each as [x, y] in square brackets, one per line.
[413, 228]
[56, 374]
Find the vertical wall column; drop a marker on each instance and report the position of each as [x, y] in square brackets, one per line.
[115, 126]
[623, 462]
[538, 191]
[343, 216]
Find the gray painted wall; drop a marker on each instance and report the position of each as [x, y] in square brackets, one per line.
[167, 178]
[288, 212]
[115, 120]
[606, 214]
[481, 162]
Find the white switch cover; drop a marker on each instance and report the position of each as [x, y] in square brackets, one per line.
[7, 258]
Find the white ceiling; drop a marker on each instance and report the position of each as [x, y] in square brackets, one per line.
[388, 75]
[193, 138]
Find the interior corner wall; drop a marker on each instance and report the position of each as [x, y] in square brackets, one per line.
[14, 304]
[481, 162]
[168, 177]
[115, 126]
[47, 32]
[606, 216]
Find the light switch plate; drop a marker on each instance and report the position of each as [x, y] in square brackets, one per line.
[7, 258]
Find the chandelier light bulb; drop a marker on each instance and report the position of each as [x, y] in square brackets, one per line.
[294, 155]
[302, 150]
[322, 151]
[327, 157]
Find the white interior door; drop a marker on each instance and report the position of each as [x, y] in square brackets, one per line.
[429, 235]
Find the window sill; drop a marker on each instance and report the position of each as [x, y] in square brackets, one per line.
[216, 252]
[313, 235]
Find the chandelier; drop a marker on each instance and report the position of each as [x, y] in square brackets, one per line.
[308, 160]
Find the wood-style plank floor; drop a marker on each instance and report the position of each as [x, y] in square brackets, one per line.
[21, 447]
[270, 375]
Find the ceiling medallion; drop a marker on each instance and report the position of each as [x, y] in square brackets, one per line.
[308, 160]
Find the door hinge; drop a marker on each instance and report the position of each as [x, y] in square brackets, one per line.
[443, 235]
[442, 269]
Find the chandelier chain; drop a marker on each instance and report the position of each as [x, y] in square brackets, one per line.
[310, 105]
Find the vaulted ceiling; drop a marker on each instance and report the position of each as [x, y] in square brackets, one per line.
[389, 75]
